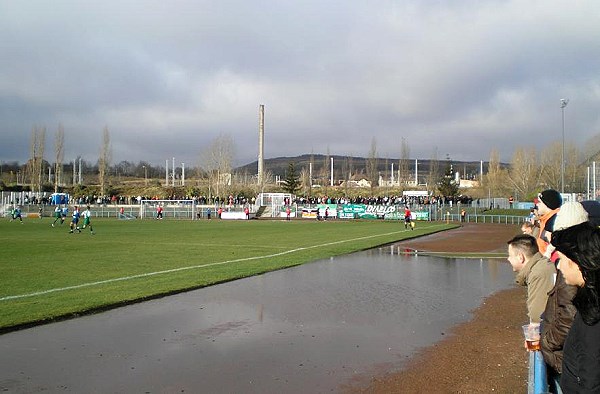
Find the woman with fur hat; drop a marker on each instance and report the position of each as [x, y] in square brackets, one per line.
[578, 248]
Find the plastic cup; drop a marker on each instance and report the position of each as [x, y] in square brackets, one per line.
[532, 336]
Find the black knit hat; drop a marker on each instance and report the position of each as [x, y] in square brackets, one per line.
[551, 198]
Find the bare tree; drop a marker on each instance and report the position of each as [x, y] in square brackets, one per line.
[30, 167]
[591, 149]
[347, 172]
[550, 166]
[372, 164]
[104, 160]
[59, 146]
[496, 177]
[305, 180]
[324, 172]
[403, 165]
[40, 161]
[217, 161]
[434, 168]
[385, 176]
[350, 163]
[35, 166]
[524, 173]
[574, 171]
[311, 176]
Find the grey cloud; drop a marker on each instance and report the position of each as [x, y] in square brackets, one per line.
[167, 77]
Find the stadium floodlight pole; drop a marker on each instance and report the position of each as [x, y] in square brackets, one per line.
[331, 182]
[416, 172]
[563, 104]
[182, 174]
[310, 176]
[587, 195]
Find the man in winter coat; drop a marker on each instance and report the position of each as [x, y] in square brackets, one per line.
[534, 271]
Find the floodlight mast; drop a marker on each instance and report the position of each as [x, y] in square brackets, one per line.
[563, 104]
[261, 144]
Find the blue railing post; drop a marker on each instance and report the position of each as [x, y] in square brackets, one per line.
[537, 380]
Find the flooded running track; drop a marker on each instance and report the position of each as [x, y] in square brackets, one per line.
[307, 329]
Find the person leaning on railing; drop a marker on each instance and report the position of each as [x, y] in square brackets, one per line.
[578, 248]
[533, 271]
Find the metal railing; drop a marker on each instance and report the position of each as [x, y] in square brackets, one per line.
[476, 218]
[185, 212]
[537, 382]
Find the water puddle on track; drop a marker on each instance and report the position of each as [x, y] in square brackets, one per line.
[306, 329]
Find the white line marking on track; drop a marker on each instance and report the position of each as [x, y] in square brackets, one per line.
[102, 282]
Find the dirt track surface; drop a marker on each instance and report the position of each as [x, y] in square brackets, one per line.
[468, 238]
[483, 355]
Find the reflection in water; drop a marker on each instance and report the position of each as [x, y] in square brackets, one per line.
[492, 266]
[304, 329]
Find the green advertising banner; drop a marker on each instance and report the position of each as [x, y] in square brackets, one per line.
[362, 211]
[416, 215]
[394, 216]
[351, 211]
[421, 215]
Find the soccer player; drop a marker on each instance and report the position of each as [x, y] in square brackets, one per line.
[75, 220]
[17, 214]
[407, 217]
[57, 215]
[63, 214]
[87, 219]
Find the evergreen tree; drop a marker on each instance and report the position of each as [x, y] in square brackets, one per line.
[447, 186]
[292, 180]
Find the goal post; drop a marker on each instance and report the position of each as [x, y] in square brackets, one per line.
[170, 209]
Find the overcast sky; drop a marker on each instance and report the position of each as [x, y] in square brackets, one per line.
[167, 77]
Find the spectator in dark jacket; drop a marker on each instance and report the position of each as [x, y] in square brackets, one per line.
[578, 249]
[560, 311]
[557, 320]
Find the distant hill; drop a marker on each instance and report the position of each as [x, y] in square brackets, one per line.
[341, 165]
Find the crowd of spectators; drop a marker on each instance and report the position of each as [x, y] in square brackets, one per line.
[33, 200]
[385, 200]
[243, 200]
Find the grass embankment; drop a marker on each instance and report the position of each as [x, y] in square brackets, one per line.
[47, 273]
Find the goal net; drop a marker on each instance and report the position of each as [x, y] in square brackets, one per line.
[168, 209]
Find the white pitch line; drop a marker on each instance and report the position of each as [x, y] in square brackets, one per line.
[102, 282]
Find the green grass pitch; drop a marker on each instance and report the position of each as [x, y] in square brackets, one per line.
[47, 273]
